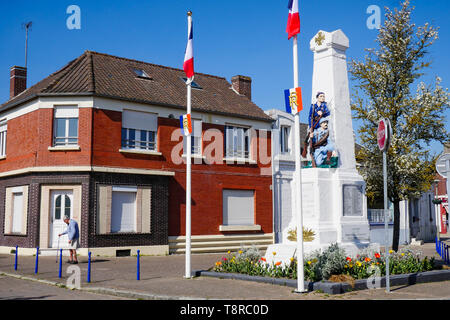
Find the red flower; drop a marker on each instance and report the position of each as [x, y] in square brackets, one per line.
[377, 255]
[348, 259]
[278, 263]
[263, 259]
[367, 259]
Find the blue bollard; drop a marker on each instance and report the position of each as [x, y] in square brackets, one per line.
[60, 264]
[138, 267]
[89, 268]
[15, 259]
[36, 267]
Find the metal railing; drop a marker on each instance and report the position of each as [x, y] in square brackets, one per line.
[377, 216]
[442, 250]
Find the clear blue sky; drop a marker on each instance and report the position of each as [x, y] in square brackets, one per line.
[230, 37]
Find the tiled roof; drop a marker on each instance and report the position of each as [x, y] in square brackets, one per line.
[104, 75]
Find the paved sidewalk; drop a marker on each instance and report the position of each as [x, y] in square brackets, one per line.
[162, 277]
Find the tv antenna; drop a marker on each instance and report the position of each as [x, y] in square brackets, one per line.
[27, 27]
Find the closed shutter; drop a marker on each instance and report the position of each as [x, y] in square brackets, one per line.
[104, 209]
[140, 120]
[238, 207]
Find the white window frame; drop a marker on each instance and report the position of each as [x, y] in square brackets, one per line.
[139, 121]
[3, 135]
[124, 189]
[17, 213]
[285, 141]
[235, 142]
[67, 113]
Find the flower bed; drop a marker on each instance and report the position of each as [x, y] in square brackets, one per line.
[324, 265]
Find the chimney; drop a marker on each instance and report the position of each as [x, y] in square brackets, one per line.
[18, 81]
[242, 85]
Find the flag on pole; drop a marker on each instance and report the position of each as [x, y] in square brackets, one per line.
[293, 24]
[186, 124]
[188, 65]
[293, 99]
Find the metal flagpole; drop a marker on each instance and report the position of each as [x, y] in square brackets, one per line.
[386, 230]
[298, 183]
[188, 173]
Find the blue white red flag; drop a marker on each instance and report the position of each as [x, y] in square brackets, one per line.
[293, 24]
[188, 65]
[293, 99]
[186, 124]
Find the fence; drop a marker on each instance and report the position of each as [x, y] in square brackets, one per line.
[443, 250]
[377, 215]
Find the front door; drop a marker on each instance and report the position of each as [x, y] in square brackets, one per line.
[61, 205]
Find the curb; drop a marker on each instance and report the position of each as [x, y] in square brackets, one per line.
[102, 290]
[339, 287]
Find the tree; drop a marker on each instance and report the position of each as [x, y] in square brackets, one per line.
[384, 89]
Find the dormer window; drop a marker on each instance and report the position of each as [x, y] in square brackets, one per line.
[141, 74]
[194, 84]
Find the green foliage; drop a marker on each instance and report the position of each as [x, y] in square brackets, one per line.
[387, 86]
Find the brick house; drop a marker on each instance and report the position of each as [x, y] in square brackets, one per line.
[100, 140]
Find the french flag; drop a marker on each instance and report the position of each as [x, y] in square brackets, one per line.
[293, 24]
[188, 65]
[186, 124]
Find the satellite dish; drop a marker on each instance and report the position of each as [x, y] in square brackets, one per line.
[443, 165]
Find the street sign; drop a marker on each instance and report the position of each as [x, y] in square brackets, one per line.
[384, 133]
[443, 165]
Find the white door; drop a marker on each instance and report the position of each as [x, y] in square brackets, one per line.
[61, 205]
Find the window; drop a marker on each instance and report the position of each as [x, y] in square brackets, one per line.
[238, 207]
[237, 142]
[139, 130]
[284, 139]
[141, 74]
[196, 138]
[58, 206]
[17, 212]
[65, 126]
[194, 84]
[123, 209]
[3, 129]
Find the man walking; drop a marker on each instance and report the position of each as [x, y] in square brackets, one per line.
[73, 235]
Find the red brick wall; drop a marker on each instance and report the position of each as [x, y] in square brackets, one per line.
[30, 135]
[208, 181]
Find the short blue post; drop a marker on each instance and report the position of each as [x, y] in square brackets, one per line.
[89, 268]
[60, 263]
[138, 266]
[15, 259]
[36, 267]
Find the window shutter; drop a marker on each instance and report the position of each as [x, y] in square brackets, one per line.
[25, 210]
[66, 112]
[8, 211]
[140, 120]
[104, 209]
[238, 207]
[146, 206]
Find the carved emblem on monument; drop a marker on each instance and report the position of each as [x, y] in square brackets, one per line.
[319, 39]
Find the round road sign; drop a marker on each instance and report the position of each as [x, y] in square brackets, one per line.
[443, 165]
[383, 134]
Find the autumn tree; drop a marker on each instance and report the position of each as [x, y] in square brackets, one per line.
[388, 86]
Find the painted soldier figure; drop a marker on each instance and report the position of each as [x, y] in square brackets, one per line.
[317, 111]
[322, 146]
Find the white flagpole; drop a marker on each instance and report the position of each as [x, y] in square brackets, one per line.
[298, 183]
[188, 174]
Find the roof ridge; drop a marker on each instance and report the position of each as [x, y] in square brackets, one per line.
[152, 64]
[69, 67]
